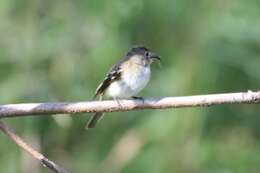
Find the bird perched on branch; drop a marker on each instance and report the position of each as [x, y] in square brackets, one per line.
[126, 78]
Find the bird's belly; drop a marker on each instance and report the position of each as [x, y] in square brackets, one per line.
[129, 85]
[119, 89]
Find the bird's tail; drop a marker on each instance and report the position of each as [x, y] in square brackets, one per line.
[94, 120]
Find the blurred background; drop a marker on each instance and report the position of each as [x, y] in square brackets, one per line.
[60, 50]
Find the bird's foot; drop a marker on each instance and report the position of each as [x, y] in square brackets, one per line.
[118, 102]
[138, 98]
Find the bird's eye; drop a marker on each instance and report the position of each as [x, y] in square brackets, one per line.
[147, 54]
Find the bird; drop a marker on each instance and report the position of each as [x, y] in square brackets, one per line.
[126, 78]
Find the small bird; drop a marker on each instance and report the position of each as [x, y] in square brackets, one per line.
[126, 78]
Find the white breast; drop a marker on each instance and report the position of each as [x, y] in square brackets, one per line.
[132, 82]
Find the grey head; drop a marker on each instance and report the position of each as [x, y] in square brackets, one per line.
[143, 53]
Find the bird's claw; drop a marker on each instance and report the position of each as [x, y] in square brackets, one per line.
[138, 98]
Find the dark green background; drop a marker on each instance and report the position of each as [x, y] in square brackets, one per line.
[59, 50]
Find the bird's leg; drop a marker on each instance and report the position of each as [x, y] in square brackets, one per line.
[138, 98]
[118, 102]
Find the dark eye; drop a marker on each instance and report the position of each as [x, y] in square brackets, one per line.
[147, 54]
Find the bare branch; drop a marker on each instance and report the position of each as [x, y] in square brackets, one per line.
[17, 110]
[19, 141]
[14, 110]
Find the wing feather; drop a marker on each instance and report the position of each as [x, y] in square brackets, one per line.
[113, 75]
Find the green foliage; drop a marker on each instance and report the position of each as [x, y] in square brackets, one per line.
[60, 51]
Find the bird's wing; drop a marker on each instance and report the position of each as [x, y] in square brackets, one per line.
[113, 75]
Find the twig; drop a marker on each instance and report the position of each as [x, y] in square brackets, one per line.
[19, 141]
[14, 110]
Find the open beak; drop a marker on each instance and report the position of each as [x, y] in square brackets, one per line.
[155, 57]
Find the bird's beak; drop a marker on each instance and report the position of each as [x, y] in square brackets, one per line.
[155, 57]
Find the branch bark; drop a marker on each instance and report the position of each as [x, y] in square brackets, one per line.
[17, 110]
[37, 155]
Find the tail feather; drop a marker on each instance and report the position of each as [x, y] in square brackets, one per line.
[94, 119]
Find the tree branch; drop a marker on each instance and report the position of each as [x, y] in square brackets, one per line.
[15, 110]
[19, 141]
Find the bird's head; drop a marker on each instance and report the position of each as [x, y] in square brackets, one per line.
[143, 55]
